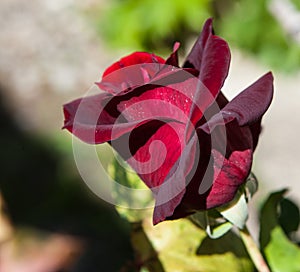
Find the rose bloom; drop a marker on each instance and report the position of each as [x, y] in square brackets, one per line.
[173, 125]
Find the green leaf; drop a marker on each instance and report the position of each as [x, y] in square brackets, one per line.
[183, 247]
[289, 218]
[218, 231]
[280, 252]
[212, 222]
[268, 216]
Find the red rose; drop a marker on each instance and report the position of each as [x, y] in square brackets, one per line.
[175, 128]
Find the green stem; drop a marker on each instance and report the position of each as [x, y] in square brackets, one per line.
[145, 253]
[253, 251]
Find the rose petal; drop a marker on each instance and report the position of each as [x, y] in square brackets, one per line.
[194, 58]
[224, 164]
[232, 160]
[229, 175]
[129, 72]
[173, 189]
[126, 79]
[105, 117]
[248, 107]
[90, 120]
[132, 59]
[255, 131]
[154, 160]
[152, 149]
[200, 167]
[173, 58]
[172, 102]
[211, 56]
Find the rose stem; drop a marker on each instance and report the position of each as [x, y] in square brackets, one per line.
[253, 251]
[145, 253]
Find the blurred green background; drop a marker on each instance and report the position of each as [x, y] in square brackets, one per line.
[53, 51]
[253, 27]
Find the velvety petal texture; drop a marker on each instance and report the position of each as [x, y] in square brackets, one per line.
[174, 126]
[133, 59]
[211, 57]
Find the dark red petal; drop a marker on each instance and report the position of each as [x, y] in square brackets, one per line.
[173, 59]
[124, 80]
[88, 119]
[215, 108]
[199, 169]
[255, 131]
[154, 159]
[232, 159]
[172, 190]
[224, 164]
[172, 102]
[194, 59]
[105, 117]
[226, 177]
[129, 72]
[166, 210]
[211, 56]
[90, 108]
[229, 175]
[215, 64]
[132, 59]
[152, 151]
[248, 107]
